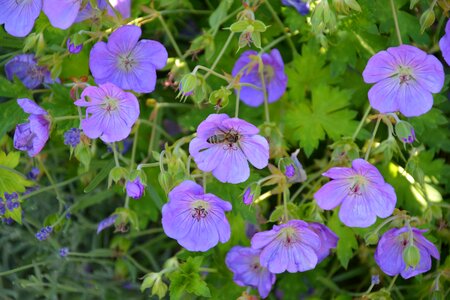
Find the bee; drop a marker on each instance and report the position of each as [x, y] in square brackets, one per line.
[231, 137]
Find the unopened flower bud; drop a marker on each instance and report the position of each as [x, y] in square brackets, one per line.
[427, 19]
[411, 256]
[372, 238]
[251, 193]
[405, 132]
[187, 85]
[219, 98]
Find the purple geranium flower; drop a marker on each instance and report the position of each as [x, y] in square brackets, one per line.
[25, 67]
[301, 6]
[196, 220]
[32, 135]
[127, 62]
[244, 263]
[223, 145]
[247, 198]
[405, 78]
[389, 253]
[294, 170]
[292, 246]
[328, 239]
[135, 188]
[110, 112]
[61, 13]
[444, 43]
[105, 223]
[19, 16]
[273, 69]
[361, 190]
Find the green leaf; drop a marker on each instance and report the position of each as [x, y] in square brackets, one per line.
[11, 180]
[219, 14]
[327, 114]
[347, 241]
[187, 279]
[14, 89]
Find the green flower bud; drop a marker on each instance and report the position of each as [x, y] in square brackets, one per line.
[219, 98]
[371, 238]
[116, 174]
[405, 132]
[427, 19]
[411, 256]
[187, 85]
[239, 26]
[344, 151]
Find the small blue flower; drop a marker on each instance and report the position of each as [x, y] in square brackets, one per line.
[63, 252]
[375, 279]
[33, 174]
[290, 171]
[72, 137]
[44, 233]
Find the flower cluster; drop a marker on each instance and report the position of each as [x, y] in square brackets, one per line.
[72, 137]
[44, 233]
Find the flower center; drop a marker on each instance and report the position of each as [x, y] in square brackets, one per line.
[288, 235]
[110, 104]
[199, 210]
[127, 62]
[358, 184]
[404, 74]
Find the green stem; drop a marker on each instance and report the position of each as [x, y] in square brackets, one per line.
[133, 150]
[372, 138]
[285, 204]
[209, 270]
[264, 90]
[278, 21]
[160, 130]
[222, 51]
[151, 165]
[127, 202]
[273, 43]
[52, 182]
[170, 36]
[391, 285]
[153, 134]
[361, 123]
[238, 100]
[116, 155]
[136, 264]
[64, 118]
[397, 28]
[50, 187]
[208, 70]
[12, 271]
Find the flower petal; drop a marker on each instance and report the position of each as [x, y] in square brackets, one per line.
[332, 194]
[233, 167]
[383, 95]
[382, 200]
[380, 66]
[356, 211]
[61, 13]
[256, 149]
[430, 74]
[101, 62]
[124, 39]
[206, 156]
[389, 253]
[30, 107]
[152, 52]
[19, 18]
[414, 100]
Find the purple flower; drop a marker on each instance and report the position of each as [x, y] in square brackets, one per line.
[72, 137]
[391, 247]
[135, 189]
[244, 263]
[61, 13]
[375, 279]
[294, 170]
[44, 233]
[292, 246]
[122, 6]
[32, 135]
[108, 222]
[110, 112]
[196, 220]
[33, 174]
[405, 78]
[328, 239]
[127, 62]
[274, 76]
[223, 145]
[247, 198]
[361, 191]
[63, 252]
[444, 43]
[73, 49]
[25, 67]
[19, 16]
[290, 171]
[301, 6]
[2, 207]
